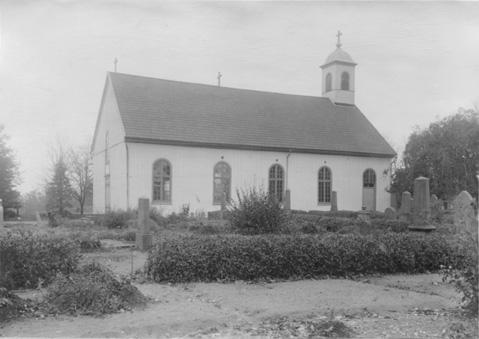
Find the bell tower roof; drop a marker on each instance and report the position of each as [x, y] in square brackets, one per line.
[339, 55]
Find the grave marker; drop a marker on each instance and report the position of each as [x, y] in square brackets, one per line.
[334, 201]
[144, 238]
[464, 214]
[421, 203]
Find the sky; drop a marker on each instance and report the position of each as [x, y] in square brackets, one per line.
[417, 61]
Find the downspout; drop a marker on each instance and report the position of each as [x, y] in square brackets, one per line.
[287, 169]
[127, 177]
[287, 200]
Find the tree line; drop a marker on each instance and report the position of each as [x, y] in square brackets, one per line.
[446, 152]
[68, 188]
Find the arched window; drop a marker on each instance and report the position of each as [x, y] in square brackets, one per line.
[329, 82]
[221, 182]
[324, 185]
[276, 180]
[345, 81]
[369, 178]
[162, 181]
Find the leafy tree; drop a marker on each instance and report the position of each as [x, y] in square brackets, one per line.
[80, 175]
[58, 191]
[447, 153]
[8, 174]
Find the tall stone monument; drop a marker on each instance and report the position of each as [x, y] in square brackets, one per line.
[334, 201]
[144, 238]
[421, 202]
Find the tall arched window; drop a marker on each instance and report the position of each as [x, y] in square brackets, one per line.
[369, 178]
[324, 185]
[276, 180]
[329, 82]
[345, 81]
[162, 181]
[221, 183]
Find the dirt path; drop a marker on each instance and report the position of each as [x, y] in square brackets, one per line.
[398, 306]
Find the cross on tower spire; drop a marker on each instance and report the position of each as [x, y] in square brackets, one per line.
[338, 44]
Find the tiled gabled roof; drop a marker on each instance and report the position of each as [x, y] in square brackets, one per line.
[173, 112]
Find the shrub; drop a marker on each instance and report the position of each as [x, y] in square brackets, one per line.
[118, 219]
[156, 215]
[256, 212]
[396, 226]
[128, 236]
[93, 289]
[88, 243]
[464, 273]
[210, 227]
[334, 224]
[237, 257]
[29, 259]
[11, 306]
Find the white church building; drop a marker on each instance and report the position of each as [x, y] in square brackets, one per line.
[180, 143]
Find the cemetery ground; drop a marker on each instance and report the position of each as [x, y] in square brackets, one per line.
[363, 306]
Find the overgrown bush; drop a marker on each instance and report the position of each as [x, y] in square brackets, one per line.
[93, 289]
[118, 219]
[11, 306]
[237, 257]
[256, 212]
[464, 272]
[28, 258]
[210, 227]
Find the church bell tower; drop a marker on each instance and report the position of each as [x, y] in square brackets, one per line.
[338, 76]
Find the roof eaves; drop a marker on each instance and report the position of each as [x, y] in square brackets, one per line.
[256, 147]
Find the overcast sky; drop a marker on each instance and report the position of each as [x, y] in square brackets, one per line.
[417, 62]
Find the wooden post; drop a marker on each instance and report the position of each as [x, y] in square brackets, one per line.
[144, 238]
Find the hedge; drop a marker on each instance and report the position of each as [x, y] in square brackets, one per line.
[237, 257]
[28, 258]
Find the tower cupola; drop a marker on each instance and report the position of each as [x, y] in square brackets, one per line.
[338, 75]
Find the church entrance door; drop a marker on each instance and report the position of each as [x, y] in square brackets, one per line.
[369, 190]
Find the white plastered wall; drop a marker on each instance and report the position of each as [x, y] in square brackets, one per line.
[109, 121]
[192, 176]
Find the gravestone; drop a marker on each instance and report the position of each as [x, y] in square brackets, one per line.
[38, 218]
[334, 201]
[464, 214]
[421, 203]
[405, 210]
[1, 213]
[390, 213]
[287, 200]
[394, 202]
[144, 238]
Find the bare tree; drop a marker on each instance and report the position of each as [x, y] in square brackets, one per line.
[80, 175]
